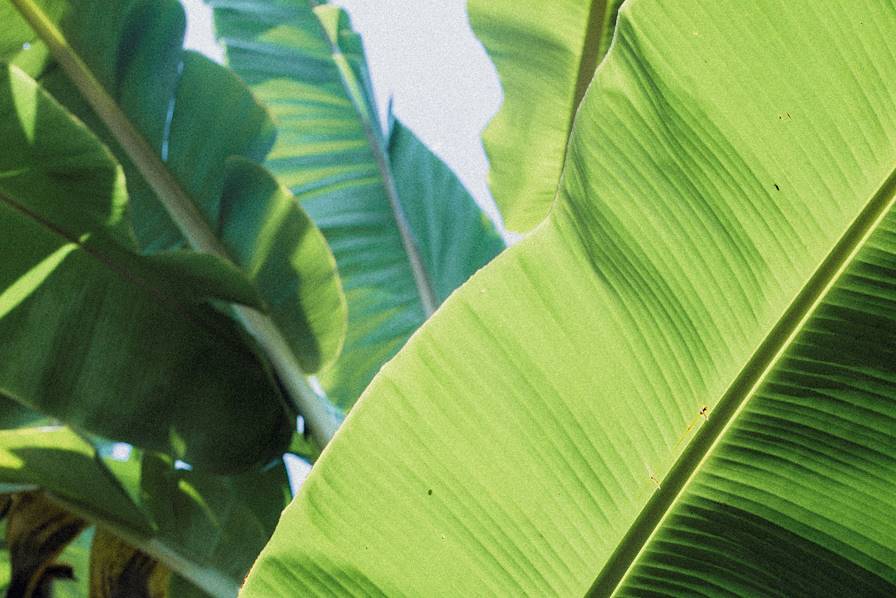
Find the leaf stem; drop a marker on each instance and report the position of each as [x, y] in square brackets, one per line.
[594, 47]
[186, 216]
[369, 122]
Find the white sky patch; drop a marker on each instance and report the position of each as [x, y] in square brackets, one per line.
[121, 451]
[297, 470]
[201, 30]
[442, 83]
[426, 59]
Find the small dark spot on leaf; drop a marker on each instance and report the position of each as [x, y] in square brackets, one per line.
[777, 187]
[429, 492]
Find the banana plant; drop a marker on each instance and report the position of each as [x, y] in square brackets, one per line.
[526, 141]
[684, 381]
[110, 322]
[404, 230]
[188, 133]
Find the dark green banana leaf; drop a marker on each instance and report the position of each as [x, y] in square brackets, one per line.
[192, 115]
[107, 340]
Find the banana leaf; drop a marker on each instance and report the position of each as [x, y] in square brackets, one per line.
[97, 335]
[684, 382]
[183, 128]
[546, 53]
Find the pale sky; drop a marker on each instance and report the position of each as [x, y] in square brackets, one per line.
[424, 56]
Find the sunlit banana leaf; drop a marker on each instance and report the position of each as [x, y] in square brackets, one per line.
[545, 52]
[684, 383]
[58, 461]
[404, 230]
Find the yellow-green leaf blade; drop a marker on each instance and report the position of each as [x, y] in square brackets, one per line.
[799, 491]
[545, 52]
[522, 434]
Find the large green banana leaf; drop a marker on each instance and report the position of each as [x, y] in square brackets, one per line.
[404, 230]
[684, 382]
[95, 334]
[545, 52]
[206, 528]
[184, 128]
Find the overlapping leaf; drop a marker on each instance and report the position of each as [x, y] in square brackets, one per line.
[683, 383]
[545, 52]
[194, 115]
[404, 230]
[94, 334]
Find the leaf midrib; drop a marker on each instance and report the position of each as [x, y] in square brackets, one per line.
[351, 86]
[594, 31]
[590, 57]
[744, 387]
